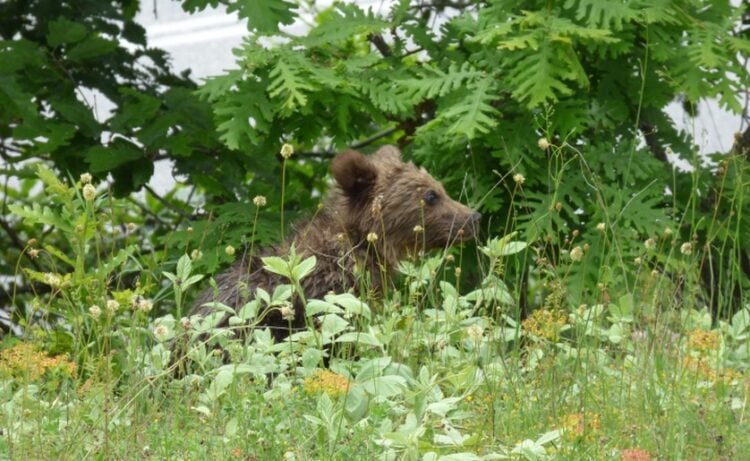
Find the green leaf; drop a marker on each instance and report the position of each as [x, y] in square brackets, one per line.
[290, 85]
[38, 214]
[91, 47]
[263, 16]
[103, 159]
[384, 386]
[65, 31]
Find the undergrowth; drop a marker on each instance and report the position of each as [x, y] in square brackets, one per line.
[446, 367]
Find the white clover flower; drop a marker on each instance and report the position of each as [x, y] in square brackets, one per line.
[519, 179]
[372, 237]
[161, 332]
[229, 250]
[259, 201]
[576, 254]
[112, 306]
[543, 143]
[475, 332]
[287, 312]
[686, 248]
[95, 311]
[53, 280]
[89, 192]
[287, 150]
[142, 304]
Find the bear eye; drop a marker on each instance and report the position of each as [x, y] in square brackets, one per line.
[430, 197]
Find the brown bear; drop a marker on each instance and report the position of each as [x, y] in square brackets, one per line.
[380, 211]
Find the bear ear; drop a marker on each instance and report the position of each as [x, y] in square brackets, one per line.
[388, 154]
[355, 174]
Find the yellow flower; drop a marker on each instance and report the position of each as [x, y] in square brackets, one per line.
[703, 340]
[372, 237]
[23, 360]
[326, 381]
[576, 425]
[545, 323]
[229, 250]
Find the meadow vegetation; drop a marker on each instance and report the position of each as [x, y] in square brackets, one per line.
[602, 313]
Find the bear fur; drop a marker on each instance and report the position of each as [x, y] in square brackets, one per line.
[377, 194]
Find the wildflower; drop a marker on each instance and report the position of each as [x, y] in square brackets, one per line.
[131, 227]
[259, 201]
[703, 340]
[23, 360]
[372, 237]
[545, 323]
[518, 178]
[53, 280]
[229, 250]
[287, 312]
[601, 227]
[575, 425]
[31, 242]
[635, 454]
[457, 271]
[650, 244]
[637, 261]
[450, 258]
[475, 332]
[686, 248]
[89, 192]
[33, 253]
[418, 229]
[95, 311]
[196, 254]
[112, 306]
[543, 143]
[189, 230]
[576, 254]
[286, 151]
[326, 381]
[161, 332]
[142, 304]
[185, 322]
[86, 178]
[668, 232]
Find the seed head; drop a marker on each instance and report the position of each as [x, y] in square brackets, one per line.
[287, 312]
[543, 143]
[650, 244]
[196, 254]
[229, 250]
[686, 248]
[372, 237]
[518, 178]
[418, 229]
[601, 227]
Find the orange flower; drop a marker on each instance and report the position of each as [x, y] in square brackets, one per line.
[326, 381]
[635, 454]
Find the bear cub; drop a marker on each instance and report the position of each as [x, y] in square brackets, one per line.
[380, 211]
